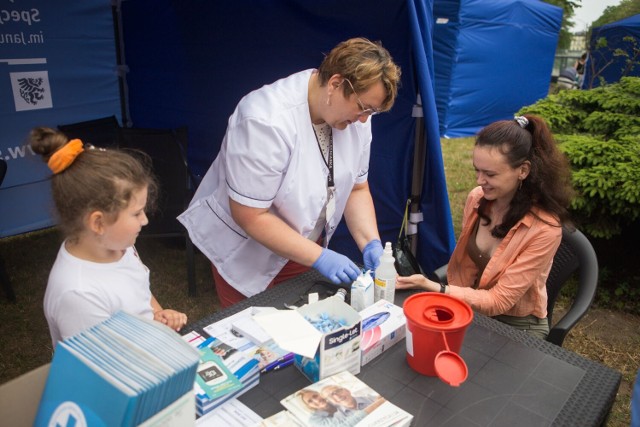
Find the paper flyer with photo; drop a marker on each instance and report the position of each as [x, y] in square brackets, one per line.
[343, 400]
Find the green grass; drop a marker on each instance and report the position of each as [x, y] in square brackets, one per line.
[461, 178]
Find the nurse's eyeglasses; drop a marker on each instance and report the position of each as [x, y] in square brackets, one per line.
[363, 111]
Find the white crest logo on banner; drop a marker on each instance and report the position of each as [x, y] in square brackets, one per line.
[31, 90]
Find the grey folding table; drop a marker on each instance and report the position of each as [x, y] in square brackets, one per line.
[514, 378]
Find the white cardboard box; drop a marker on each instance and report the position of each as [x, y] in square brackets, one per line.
[339, 350]
[20, 398]
[383, 325]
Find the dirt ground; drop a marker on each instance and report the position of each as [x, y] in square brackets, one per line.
[613, 339]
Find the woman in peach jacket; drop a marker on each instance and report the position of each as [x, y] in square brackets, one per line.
[511, 227]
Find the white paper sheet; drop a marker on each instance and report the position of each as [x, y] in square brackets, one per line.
[290, 331]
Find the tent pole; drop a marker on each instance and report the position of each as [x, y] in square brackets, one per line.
[418, 174]
[122, 68]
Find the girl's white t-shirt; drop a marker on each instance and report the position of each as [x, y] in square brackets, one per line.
[81, 294]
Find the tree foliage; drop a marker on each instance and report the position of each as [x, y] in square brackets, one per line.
[599, 131]
[625, 54]
[625, 9]
[568, 11]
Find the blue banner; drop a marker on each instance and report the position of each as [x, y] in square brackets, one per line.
[57, 66]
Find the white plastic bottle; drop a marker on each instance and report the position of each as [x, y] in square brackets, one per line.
[385, 279]
[362, 294]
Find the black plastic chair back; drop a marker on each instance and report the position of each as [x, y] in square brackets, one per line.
[3, 169]
[171, 171]
[4, 277]
[102, 132]
[167, 149]
[574, 256]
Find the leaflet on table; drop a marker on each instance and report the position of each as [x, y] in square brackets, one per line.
[249, 328]
[268, 354]
[349, 402]
[230, 414]
[224, 329]
[281, 419]
[193, 338]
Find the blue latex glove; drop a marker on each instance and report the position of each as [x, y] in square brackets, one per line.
[337, 268]
[371, 255]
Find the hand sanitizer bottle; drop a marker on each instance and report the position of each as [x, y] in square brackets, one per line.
[385, 278]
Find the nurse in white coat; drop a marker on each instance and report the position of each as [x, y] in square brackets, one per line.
[294, 160]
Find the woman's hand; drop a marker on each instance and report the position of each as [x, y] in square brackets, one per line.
[415, 281]
[173, 319]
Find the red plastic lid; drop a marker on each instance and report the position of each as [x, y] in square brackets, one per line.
[451, 368]
[437, 312]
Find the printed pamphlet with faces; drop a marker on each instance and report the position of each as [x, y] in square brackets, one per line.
[339, 400]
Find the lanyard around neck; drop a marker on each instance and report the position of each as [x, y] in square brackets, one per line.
[329, 160]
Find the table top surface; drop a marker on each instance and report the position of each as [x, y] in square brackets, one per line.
[514, 378]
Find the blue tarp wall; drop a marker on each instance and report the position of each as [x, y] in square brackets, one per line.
[602, 61]
[491, 58]
[57, 66]
[191, 61]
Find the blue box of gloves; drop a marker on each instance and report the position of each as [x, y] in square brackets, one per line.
[383, 325]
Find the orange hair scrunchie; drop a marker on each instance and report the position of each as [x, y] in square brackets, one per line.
[62, 159]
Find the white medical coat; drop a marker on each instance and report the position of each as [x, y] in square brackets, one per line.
[270, 158]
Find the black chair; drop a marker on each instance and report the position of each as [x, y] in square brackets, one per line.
[167, 149]
[4, 277]
[575, 255]
[102, 132]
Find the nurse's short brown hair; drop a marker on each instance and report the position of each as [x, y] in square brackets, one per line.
[364, 63]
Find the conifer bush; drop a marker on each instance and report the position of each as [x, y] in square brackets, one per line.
[599, 130]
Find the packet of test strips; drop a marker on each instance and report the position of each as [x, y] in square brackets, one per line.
[362, 291]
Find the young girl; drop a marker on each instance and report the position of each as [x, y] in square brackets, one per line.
[100, 197]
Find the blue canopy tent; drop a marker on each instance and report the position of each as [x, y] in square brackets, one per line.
[491, 58]
[603, 61]
[190, 62]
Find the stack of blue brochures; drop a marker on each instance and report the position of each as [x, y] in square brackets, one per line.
[120, 372]
[223, 374]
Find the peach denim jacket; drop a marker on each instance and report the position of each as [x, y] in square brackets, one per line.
[513, 283]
